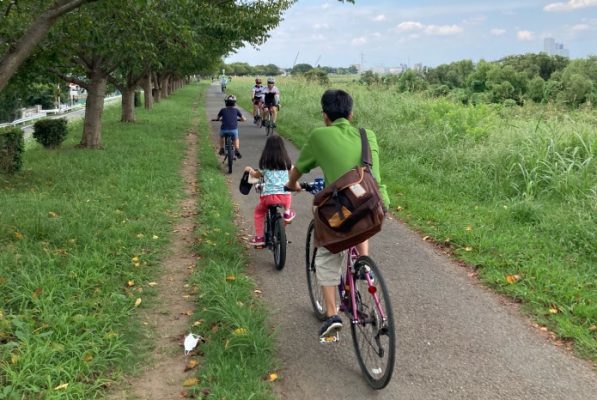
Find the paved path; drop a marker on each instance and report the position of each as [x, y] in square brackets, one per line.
[455, 339]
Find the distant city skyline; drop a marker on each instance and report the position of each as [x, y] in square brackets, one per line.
[389, 33]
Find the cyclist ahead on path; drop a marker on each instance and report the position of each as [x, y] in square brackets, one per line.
[336, 148]
[230, 115]
[271, 100]
[274, 165]
[257, 99]
[223, 82]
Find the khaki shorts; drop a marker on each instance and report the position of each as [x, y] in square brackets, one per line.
[329, 266]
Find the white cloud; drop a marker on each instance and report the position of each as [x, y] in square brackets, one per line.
[442, 30]
[434, 30]
[581, 27]
[497, 31]
[408, 26]
[570, 5]
[525, 35]
[321, 26]
[379, 18]
[359, 41]
[475, 20]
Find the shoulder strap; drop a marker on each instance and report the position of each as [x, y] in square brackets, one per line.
[365, 150]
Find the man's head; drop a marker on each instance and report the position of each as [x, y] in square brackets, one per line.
[271, 81]
[336, 103]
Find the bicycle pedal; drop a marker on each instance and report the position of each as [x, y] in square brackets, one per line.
[330, 339]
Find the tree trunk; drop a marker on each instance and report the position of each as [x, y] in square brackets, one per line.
[147, 92]
[94, 107]
[128, 105]
[157, 93]
[164, 86]
[22, 48]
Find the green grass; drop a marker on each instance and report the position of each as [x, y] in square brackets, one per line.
[510, 190]
[239, 347]
[71, 224]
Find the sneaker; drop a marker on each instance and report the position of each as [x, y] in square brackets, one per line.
[221, 152]
[257, 241]
[330, 326]
[289, 216]
[237, 154]
[273, 124]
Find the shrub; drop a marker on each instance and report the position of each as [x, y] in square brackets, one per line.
[11, 149]
[50, 133]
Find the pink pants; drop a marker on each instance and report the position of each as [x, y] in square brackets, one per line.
[261, 208]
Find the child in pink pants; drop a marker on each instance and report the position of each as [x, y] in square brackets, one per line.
[274, 165]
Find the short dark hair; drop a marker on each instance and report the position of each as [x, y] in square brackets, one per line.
[274, 155]
[336, 103]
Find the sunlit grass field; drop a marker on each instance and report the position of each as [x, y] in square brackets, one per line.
[509, 190]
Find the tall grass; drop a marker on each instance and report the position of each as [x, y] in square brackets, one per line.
[81, 234]
[510, 190]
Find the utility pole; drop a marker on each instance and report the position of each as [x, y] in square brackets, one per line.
[295, 58]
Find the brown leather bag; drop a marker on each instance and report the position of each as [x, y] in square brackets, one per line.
[349, 210]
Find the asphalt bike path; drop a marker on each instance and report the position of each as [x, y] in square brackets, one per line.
[455, 338]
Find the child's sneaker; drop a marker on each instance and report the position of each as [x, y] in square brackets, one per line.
[257, 241]
[289, 216]
[330, 326]
[221, 152]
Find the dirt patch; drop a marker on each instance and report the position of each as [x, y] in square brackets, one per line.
[168, 320]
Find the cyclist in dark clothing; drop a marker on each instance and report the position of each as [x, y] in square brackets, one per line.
[230, 115]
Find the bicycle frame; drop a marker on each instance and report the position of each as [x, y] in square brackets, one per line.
[351, 257]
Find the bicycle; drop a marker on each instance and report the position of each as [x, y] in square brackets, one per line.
[275, 232]
[229, 150]
[364, 299]
[267, 122]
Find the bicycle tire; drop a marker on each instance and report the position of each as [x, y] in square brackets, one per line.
[230, 154]
[315, 293]
[279, 243]
[374, 340]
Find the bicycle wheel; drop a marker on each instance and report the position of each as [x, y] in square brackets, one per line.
[315, 293]
[269, 129]
[230, 154]
[279, 243]
[373, 337]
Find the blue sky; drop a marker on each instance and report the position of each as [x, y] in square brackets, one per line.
[387, 33]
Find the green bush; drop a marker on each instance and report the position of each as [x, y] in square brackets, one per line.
[50, 133]
[11, 149]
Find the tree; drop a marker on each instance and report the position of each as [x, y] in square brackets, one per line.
[23, 30]
[301, 69]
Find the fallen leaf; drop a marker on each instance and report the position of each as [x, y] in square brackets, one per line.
[190, 382]
[240, 331]
[61, 386]
[468, 228]
[398, 208]
[553, 310]
[138, 302]
[257, 291]
[18, 235]
[130, 283]
[52, 214]
[152, 284]
[231, 278]
[37, 292]
[190, 365]
[155, 237]
[512, 279]
[272, 377]
[198, 322]
[468, 248]
[88, 358]
[426, 238]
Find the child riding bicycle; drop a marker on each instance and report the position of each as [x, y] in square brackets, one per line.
[274, 165]
[230, 115]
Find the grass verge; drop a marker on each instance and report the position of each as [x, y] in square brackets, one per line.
[81, 234]
[238, 350]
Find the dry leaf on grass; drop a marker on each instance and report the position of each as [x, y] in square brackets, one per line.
[190, 365]
[190, 382]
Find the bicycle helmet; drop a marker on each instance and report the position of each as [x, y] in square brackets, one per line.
[258, 81]
[270, 80]
[230, 100]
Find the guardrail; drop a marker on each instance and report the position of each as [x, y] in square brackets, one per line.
[44, 113]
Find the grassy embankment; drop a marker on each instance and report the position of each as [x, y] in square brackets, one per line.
[512, 191]
[82, 234]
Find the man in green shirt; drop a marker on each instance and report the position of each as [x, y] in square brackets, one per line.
[336, 148]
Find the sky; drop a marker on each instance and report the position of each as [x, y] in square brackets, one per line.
[390, 33]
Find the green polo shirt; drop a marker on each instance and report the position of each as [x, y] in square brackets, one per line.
[337, 149]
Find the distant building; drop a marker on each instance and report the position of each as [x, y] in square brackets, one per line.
[552, 48]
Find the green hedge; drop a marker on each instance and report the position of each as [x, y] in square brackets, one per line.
[50, 133]
[12, 146]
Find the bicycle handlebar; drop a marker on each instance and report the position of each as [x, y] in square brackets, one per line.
[311, 187]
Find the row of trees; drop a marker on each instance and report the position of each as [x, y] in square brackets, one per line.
[244, 69]
[514, 79]
[149, 43]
